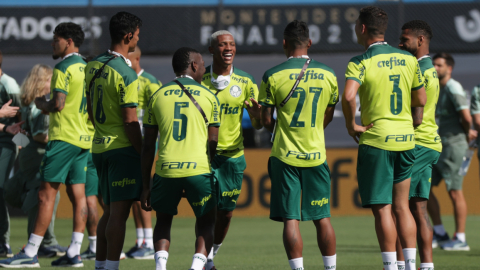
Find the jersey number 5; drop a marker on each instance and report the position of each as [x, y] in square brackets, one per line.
[396, 97]
[300, 94]
[180, 122]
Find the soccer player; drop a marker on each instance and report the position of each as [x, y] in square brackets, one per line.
[415, 39]
[148, 84]
[188, 125]
[112, 101]
[297, 165]
[236, 90]
[454, 125]
[36, 84]
[389, 82]
[10, 93]
[67, 150]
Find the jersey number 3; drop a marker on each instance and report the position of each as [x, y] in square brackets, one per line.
[396, 97]
[180, 122]
[300, 94]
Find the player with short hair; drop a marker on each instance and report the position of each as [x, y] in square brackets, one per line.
[454, 122]
[112, 95]
[67, 150]
[236, 90]
[415, 39]
[143, 248]
[389, 82]
[297, 165]
[186, 114]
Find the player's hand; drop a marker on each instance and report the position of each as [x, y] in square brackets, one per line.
[357, 131]
[472, 135]
[9, 111]
[145, 200]
[255, 109]
[15, 128]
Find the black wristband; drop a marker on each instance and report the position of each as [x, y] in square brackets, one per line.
[5, 128]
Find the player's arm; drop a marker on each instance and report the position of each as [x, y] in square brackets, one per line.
[349, 106]
[212, 141]
[328, 117]
[12, 129]
[148, 157]
[90, 109]
[266, 117]
[132, 127]
[476, 121]
[56, 104]
[466, 121]
[417, 116]
[254, 113]
[419, 97]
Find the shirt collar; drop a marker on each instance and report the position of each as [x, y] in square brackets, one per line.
[425, 56]
[377, 43]
[71, 54]
[129, 63]
[303, 56]
[140, 73]
[184, 76]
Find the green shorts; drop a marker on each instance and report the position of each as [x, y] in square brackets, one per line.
[91, 185]
[422, 171]
[199, 189]
[378, 170]
[64, 163]
[301, 193]
[229, 177]
[449, 163]
[119, 174]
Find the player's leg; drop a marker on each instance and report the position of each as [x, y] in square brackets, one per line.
[200, 193]
[229, 176]
[418, 207]
[143, 219]
[7, 158]
[316, 207]
[440, 236]
[375, 170]
[405, 223]
[285, 207]
[101, 166]
[125, 187]
[91, 192]
[165, 197]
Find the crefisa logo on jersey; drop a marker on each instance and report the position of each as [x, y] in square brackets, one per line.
[235, 91]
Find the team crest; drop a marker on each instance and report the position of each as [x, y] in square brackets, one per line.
[235, 91]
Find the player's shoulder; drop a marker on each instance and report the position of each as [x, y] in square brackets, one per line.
[476, 91]
[70, 61]
[454, 87]
[319, 65]
[425, 64]
[149, 77]
[245, 75]
[281, 67]
[123, 70]
[10, 84]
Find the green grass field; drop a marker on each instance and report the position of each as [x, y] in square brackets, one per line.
[256, 243]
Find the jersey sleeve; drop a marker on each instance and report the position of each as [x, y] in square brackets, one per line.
[60, 82]
[418, 78]
[128, 95]
[266, 96]
[149, 119]
[458, 97]
[151, 89]
[475, 100]
[334, 97]
[355, 71]
[252, 93]
[214, 120]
